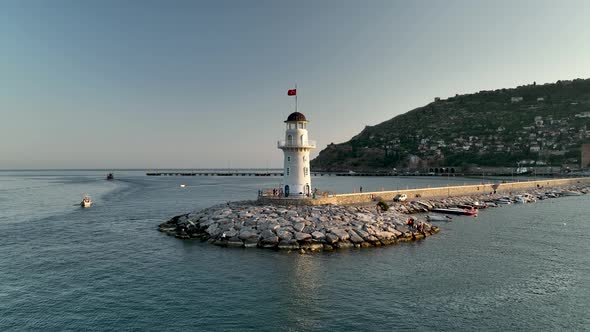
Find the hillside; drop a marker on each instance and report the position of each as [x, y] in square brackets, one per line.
[532, 124]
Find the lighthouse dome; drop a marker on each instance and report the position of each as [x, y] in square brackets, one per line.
[296, 117]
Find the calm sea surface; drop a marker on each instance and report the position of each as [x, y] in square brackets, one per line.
[520, 267]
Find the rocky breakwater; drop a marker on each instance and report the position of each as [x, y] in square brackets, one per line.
[314, 228]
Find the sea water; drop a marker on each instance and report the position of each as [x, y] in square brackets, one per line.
[62, 267]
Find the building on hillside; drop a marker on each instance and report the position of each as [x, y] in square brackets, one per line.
[516, 99]
[585, 158]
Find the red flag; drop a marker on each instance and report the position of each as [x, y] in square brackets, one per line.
[292, 92]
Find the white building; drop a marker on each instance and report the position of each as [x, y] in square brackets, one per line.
[296, 148]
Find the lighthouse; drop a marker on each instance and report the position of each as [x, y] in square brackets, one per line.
[296, 148]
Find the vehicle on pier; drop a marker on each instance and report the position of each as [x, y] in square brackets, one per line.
[400, 198]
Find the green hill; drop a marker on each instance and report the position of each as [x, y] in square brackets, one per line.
[537, 124]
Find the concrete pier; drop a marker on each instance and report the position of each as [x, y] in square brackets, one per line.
[436, 192]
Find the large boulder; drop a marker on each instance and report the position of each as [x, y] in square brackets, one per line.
[385, 235]
[302, 236]
[269, 242]
[267, 233]
[235, 242]
[342, 234]
[343, 244]
[285, 235]
[318, 235]
[312, 246]
[332, 238]
[299, 226]
[354, 237]
[230, 233]
[248, 235]
[288, 245]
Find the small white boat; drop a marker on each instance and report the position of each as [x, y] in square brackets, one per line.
[182, 185]
[503, 201]
[86, 201]
[433, 217]
[456, 211]
[529, 198]
[519, 200]
[571, 193]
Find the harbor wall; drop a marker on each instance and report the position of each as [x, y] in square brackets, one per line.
[437, 192]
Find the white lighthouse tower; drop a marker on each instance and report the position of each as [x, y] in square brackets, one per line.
[296, 147]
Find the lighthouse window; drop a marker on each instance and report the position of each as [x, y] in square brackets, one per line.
[305, 171]
[289, 139]
[288, 170]
[288, 159]
[300, 125]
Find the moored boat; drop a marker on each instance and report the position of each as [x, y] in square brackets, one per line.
[479, 205]
[519, 199]
[571, 193]
[458, 211]
[433, 217]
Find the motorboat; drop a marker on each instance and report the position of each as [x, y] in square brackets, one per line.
[472, 206]
[433, 217]
[529, 198]
[183, 185]
[86, 201]
[504, 200]
[571, 193]
[110, 176]
[458, 211]
[479, 205]
[519, 200]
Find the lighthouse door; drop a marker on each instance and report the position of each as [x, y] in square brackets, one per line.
[287, 191]
[306, 190]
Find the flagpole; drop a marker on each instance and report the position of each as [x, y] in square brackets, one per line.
[295, 97]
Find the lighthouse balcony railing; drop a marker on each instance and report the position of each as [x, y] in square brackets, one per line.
[296, 144]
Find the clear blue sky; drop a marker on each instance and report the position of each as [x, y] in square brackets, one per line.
[146, 84]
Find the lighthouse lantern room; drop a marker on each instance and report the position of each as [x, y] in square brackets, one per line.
[296, 148]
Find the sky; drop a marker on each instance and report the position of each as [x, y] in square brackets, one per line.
[203, 84]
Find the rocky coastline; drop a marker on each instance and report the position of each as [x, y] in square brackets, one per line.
[248, 224]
